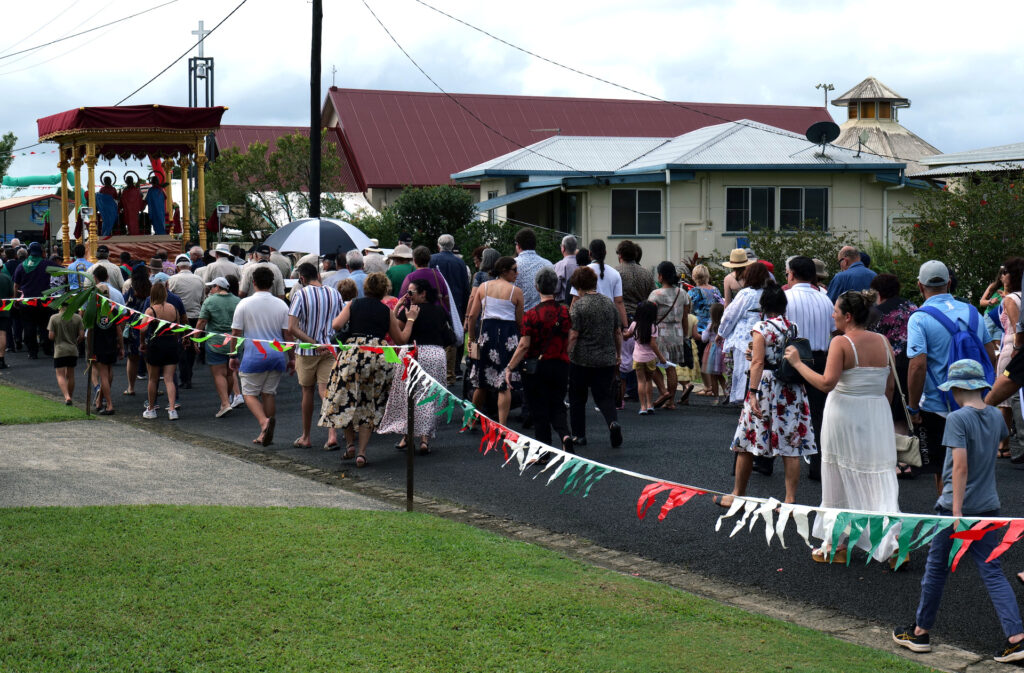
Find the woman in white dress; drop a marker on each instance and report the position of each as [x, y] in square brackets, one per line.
[858, 450]
[739, 318]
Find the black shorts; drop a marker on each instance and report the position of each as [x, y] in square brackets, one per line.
[5, 321]
[162, 352]
[931, 430]
[1015, 368]
[106, 357]
[68, 361]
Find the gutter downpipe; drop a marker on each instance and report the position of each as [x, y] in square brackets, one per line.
[668, 214]
[885, 210]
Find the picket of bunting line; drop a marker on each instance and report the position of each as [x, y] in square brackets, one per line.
[912, 531]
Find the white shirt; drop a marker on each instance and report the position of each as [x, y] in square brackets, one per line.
[811, 310]
[114, 277]
[610, 286]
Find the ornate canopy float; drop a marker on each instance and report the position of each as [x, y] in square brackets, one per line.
[164, 134]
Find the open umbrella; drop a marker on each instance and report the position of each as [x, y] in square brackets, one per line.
[323, 236]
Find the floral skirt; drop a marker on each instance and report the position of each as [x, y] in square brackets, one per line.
[396, 414]
[784, 428]
[357, 387]
[498, 341]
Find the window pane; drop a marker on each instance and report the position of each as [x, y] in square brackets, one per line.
[648, 201]
[852, 111]
[648, 224]
[867, 110]
[736, 220]
[762, 208]
[816, 207]
[623, 212]
[736, 198]
[884, 110]
[789, 198]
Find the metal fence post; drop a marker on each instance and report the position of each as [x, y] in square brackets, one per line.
[410, 447]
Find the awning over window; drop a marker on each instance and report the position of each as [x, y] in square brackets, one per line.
[498, 202]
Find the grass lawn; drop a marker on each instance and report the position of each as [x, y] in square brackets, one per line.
[19, 406]
[163, 588]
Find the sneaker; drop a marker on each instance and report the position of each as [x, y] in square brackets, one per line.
[172, 414]
[223, 411]
[149, 413]
[905, 637]
[1010, 652]
[615, 432]
[237, 401]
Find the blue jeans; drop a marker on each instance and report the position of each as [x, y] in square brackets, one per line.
[937, 568]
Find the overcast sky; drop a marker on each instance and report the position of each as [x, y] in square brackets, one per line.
[961, 65]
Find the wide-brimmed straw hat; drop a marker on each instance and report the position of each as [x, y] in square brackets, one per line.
[401, 252]
[737, 259]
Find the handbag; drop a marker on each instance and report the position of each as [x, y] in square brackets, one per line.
[785, 372]
[908, 447]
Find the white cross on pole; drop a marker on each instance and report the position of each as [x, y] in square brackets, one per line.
[202, 36]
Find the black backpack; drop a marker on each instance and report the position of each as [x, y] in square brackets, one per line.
[785, 372]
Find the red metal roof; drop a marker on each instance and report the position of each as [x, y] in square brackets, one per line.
[398, 138]
[244, 136]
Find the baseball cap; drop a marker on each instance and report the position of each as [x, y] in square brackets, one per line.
[102, 249]
[221, 282]
[933, 273]
[35, 249]
[966, 374]
[405, 237]
[182, 259]
[160, 277]
[263, 249]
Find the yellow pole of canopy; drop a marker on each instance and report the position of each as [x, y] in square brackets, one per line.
[90, 161]
[65, 234]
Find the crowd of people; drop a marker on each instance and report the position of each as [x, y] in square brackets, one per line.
[817, 367]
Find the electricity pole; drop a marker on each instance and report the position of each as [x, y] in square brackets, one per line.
[314, 111]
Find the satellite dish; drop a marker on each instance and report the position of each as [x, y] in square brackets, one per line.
[822, 133]
[863, 137]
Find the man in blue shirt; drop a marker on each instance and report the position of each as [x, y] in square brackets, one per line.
[80, 264]
[928, 348]
[853, 275]
[354, 263]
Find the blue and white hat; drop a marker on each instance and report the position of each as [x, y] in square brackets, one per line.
[966, 374]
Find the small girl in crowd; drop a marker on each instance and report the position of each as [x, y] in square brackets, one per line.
[646, 354]
[714, 353]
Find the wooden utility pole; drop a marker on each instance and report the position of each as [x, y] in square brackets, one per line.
[314, 110]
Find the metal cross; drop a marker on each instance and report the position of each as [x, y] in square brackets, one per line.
[202, 36]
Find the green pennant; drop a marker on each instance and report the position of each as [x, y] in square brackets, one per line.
[857, 525]
[307, 346]
[180, 328]
[206, 337]
[468, 413]
[390, 356]
[878, 530]
[593, 478]
[433, 393]
[574, 474]
[449, 409]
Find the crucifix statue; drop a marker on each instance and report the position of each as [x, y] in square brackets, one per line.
[202, 36]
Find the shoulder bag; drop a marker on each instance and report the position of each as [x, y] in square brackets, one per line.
[785, 372]
[908, 447]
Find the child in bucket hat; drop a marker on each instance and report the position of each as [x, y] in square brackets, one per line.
[973, 433]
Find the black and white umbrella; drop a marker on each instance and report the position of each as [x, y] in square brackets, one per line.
[323, 236]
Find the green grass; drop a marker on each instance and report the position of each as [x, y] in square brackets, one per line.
[19, 406]
[163, 588]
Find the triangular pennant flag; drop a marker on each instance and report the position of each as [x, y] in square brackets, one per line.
[391, 357]
[1013, 534]
[734, 507]
[202, 339]
[881, 527]
[259, 347]
[679, 496]
[647, 497]
[968, 537]
[468, 415]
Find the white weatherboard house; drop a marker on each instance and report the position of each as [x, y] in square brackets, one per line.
[697, 192]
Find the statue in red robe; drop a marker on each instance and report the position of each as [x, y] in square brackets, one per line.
[130, 206]
[108, 188]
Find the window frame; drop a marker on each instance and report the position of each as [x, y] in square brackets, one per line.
[772, 226]
[777, 210]
[637, 212]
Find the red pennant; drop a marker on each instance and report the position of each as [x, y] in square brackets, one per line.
[32, 302]
[647, 497]
[976, 532]
[260, 347]
[1013, 534]
[678, 495]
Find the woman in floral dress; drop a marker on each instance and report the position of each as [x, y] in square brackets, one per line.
[673, 310]
[499, 304]
[776, 419]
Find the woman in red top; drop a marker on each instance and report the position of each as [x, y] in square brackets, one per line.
[545, 337]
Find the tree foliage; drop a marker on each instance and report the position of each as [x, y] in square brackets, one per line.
[778, 246]
[973, 226]
[266, 187]
[7, 144]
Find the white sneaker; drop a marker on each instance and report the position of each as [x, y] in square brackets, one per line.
[222, 411]
[172, 414]
[149, 413]
[237, 402]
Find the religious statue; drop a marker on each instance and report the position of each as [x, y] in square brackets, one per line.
[108, 188]
[106, 208]
[131, 205]
[156, 202]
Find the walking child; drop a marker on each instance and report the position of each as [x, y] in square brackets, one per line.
[646, 354]
[972, 435]
[66, 335]
[712, 367]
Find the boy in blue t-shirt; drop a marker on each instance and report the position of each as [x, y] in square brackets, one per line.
[973, 433]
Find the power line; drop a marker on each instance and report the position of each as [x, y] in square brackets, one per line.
[464, 108]
[615, 84]
[43, 25]
[184, 54]
[90, 30]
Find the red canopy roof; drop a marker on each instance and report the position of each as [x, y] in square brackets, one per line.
[397, 138]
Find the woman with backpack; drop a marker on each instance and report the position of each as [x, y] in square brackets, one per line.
[776, 419]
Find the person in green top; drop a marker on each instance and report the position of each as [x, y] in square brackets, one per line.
[401, 266]
[6, 292]
[215, 316]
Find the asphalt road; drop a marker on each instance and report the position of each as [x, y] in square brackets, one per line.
[689, 445]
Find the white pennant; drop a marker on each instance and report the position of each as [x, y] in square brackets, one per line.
[749, 507]
[733, 508]
[767, 512]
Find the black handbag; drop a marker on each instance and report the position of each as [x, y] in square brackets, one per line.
[785, 372]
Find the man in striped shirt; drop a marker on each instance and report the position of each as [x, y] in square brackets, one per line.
[309, 319]
[811, 310]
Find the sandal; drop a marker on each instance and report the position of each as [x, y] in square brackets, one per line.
[299, 445]
[350, 452]
[1003, 453]
[663, 399]
[331, 446]
[685, 398]
[128, 392]
[821, 555]
[361, 460]
[424, 449]
[400, 444]
[720, 501]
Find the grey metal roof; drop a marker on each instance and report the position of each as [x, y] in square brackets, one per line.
[568, 155]
[967, 169]
[871, 89]
[999, 153]
[888, 138]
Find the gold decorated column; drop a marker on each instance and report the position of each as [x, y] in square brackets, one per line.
[168, 194]
[90, 161]
[76, 162]
[65, 233]
[186, 230]
[201, 190]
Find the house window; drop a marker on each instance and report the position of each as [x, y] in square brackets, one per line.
[867, 110]
[851, 111]
[636, 212]
[803, 207]
[884, 110]
[493, 194]
[749, 208]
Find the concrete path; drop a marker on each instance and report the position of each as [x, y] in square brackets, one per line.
[105, 463]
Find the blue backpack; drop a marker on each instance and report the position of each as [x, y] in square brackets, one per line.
[963, 345]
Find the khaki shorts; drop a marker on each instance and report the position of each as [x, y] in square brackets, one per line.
[314, 369]
[262, 382]
[651, 366]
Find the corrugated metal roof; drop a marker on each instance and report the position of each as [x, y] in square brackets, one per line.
[15, 201]
[590, 154]
[887, 138]
[967, 169]
[244, 136]
[397, 138]
[871, 89]
[1012, 152]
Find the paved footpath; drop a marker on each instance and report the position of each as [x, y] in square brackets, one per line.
[99, 462]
